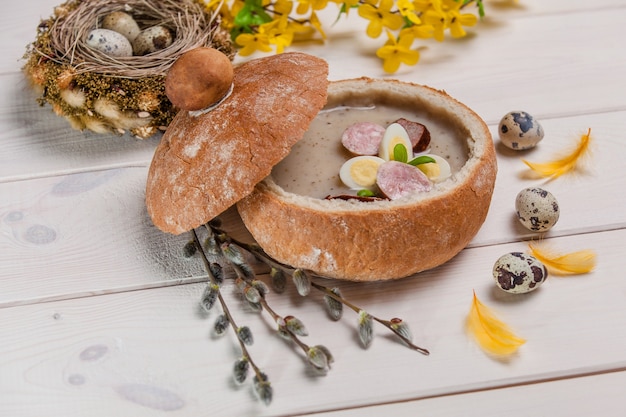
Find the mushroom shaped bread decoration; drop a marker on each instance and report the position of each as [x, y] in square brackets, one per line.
[199, 78]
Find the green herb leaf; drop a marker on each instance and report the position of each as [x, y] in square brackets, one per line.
[421, 160]
[366, 193]
[400, 153]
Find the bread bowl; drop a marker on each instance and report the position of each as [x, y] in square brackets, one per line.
[376, 240]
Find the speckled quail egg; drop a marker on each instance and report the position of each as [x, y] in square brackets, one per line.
[519, 130]
[394, 134]
[109, 42]
[152, 39]
[519, 273]
[537, 209]
[359, 173]
[123, 23]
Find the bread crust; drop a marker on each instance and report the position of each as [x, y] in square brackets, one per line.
[368, 241]
[205, 164]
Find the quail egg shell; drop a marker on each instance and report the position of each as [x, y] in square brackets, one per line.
[519, 273]
[537, 209]
[359, 173]
[394, 134]
[123, 23]
[436, 171]
[519, 130]
[152, 39]
[109, 42]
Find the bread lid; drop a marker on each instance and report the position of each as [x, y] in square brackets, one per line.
[207, 162]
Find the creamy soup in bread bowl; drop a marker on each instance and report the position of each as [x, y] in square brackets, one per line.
[369, 239]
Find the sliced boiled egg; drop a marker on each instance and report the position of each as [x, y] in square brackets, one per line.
[359, 173]
[436, 171]
[394, 134]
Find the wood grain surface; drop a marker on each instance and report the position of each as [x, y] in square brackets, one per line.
[99, 310]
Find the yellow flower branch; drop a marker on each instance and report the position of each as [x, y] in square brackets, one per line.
[273, 25]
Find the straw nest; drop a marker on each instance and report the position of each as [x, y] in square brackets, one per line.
[105, 94]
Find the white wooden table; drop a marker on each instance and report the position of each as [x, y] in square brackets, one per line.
[98, 309]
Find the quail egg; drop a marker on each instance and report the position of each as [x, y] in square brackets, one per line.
[123, 23]
[395, 134]
[537, 209]
[519, 273]
[359, 173]
[519, 130]
[152, 39]
[109, 42]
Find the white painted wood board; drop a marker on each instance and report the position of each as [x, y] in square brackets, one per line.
[594, 395]
[98, 310]
[155, 338]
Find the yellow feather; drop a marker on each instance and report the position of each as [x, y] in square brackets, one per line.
[492, 335]
[564, 164]
[579, 262]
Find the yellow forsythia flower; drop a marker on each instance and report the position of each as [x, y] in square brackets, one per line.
[407, 9]
[259, 25]
[380, 17]
[252, 42]
[396, 52]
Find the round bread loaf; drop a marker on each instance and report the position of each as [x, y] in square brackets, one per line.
[204, 164]
[387, 239]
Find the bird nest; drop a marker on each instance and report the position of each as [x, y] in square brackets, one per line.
[103, 93]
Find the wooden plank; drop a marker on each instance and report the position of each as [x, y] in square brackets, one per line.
[38, 143]
[134, 352]
[125, 337]
[578, 194]
[565, 66]
[46, 251]
[601, 394]
[19, 22]
[46, 245]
